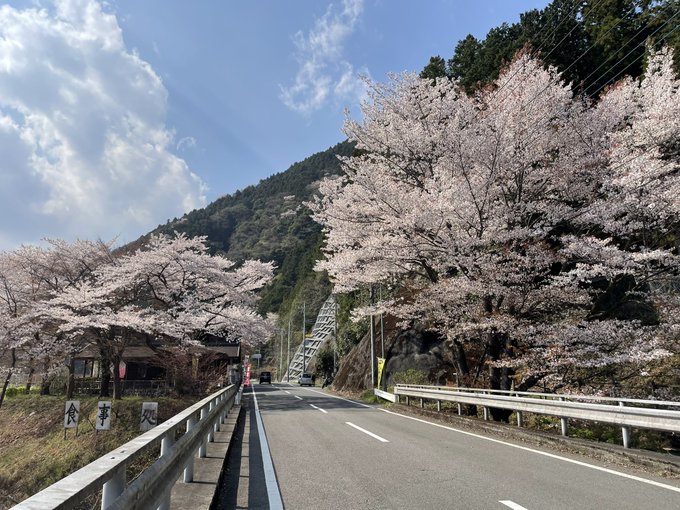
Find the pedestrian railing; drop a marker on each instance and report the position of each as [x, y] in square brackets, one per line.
[625, 412]
[152, 488]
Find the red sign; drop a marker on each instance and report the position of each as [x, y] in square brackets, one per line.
[246, 381]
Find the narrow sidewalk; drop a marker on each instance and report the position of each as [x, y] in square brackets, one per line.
[243, 485]
[200, 493]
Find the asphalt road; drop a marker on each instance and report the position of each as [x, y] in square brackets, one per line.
[331, 453]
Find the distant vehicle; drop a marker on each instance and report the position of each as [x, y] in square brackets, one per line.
[306, 380]
[265, 377]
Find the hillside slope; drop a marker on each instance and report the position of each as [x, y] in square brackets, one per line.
[267, 222]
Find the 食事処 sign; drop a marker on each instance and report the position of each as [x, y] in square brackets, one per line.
[71, 414]
[103, 420]
[149, 417]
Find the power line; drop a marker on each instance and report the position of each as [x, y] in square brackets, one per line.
[634, 36]
[627, 54]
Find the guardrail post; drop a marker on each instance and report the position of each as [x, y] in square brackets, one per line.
[520, 419]
[564, 424]
[408, 400]
[166, 449]
[189, 468]
[114, 487]
[460, 410]
[625, 432]
[439, 405]
[203, 449]
[421, 403]
[218, 420]
[211, 434]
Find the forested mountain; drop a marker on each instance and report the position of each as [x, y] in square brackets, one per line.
[268, 222]
[592, 42]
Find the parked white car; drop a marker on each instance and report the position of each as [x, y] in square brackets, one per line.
[306, 380]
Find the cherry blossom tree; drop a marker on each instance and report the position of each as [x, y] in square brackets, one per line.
[171, 289]
[31, 275]
[510, 216]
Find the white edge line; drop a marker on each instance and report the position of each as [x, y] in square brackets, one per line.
[319, 409]
[273, 493]
[376, 436]
[512, 505]
[545, 454]
[341, 398]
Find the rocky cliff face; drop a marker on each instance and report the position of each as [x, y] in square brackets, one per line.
[405, 349]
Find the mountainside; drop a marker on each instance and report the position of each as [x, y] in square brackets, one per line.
[267, 222]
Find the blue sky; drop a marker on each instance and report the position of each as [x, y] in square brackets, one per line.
[116, 116]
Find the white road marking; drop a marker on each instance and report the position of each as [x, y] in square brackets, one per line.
[376, 436]
[273, 493]
[299, 398]
[545, 454]
[345, 399]
[319, 409]
[512, 505]
[287, 391]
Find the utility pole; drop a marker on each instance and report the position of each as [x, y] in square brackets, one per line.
[382, 327]
[304, 341]
[288, 358]
[281, 358]
[372, 344]
[335, 333]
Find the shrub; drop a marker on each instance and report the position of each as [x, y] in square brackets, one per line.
[410, 376]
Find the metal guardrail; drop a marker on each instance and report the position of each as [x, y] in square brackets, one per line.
[385, 395]
[624, 412]
[152, 488]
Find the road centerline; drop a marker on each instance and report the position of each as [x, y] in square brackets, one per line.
[319, 409]
[297, 397]
[375, 436]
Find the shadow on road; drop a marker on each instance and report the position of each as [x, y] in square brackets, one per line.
[274, 399]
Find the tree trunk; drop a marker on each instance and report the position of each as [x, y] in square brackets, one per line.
[499, 377]
[45, 385]
[13, 352]
[29, 381]
[105, 373]
[71, 383]
[460, 357]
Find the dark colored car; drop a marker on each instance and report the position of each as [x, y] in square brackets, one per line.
[265, 377]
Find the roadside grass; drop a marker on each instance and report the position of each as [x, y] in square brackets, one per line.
[35, 452]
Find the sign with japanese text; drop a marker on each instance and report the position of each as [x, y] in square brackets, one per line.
[246, 380]
[71, 414]
[103, 420]
[149, 417]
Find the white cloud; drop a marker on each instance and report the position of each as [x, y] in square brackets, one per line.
[86, 151]
[188, 142]
[323, 73]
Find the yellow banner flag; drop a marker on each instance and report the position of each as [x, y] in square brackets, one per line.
[381, 364]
